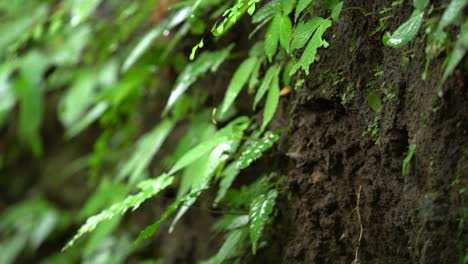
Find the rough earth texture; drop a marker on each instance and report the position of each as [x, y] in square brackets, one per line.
[345, 199]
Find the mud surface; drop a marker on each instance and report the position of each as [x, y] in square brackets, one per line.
[345, 199]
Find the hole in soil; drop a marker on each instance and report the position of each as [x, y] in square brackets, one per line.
[398, 142]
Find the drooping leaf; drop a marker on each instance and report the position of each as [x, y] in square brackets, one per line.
[456, 55]
[206, 61]
[240, 78]
[406, 161]
[260, 210]
[203, 175]
[153, 34]
[452, 11]
[197, 152]
[146, 147]
[255, 149]
[78, 98]
[30, 92]
[272, 36]
[266, 83]
[301, 5]
[231, 222]
[271, 102]
[336, 10]
[149, 188]
[81, 10]
[91, 116]
[303, 32]
[234, 241]
[228, 177]
[285, 32]
[267, 11]
[7, 96]
[12, 30]
[374, 102]
[308, 57]
[420, 4]
[406, 32]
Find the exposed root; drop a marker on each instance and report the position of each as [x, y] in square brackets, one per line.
[356, 254]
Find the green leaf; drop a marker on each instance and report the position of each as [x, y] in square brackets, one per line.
[456, 55]
[304, 31]
[420, 4]
[12, 31]
[272, 36]
[240, 78]
[29, 92]
[406, 32]
[406, 161]
[151, 229]
[78, 98]
[285, 32]
[267, 11]
[336, 10]
[228, 176]
[254, 150]
[374, 102]
[308, 57]
[266, 83]
[260, 209]
[206, 61]
[301, 5]
[82, 123]
[271, 102]
[197, 152]
[7, 96]
[81, 10]
[231, 222]
[451, 13]
[234, 241]
[204, 174]
[153, 34]
[146, 147]
[149, 188]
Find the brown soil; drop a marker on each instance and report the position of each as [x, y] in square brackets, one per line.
[345, 199]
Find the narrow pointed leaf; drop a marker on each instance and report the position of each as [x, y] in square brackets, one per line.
[266, 83]
[260, 209]
[272, 37]
[271, 103]
[238, 81]
[255, 149]
[406, 32]
[149, 188]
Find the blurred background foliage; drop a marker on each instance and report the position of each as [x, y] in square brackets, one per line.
[83, 84]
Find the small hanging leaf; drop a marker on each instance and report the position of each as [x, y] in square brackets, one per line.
[308, 57]
[206, 61]
[285, 32]
[195, 48]
[406, 161]
[272, 36]
[456, 55]
[406, 32]
[260, 209]
[146, 147]
[197, 152]
[266, 83]
[336, 10]
[420, 4]
[234, 240]
[303, 32]
[271, 102]
[267, 11]
[228, 177]
[255, 149]
[453, 10]
[240, 78]
[301, 5]
[374, 102]
[149, 188]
